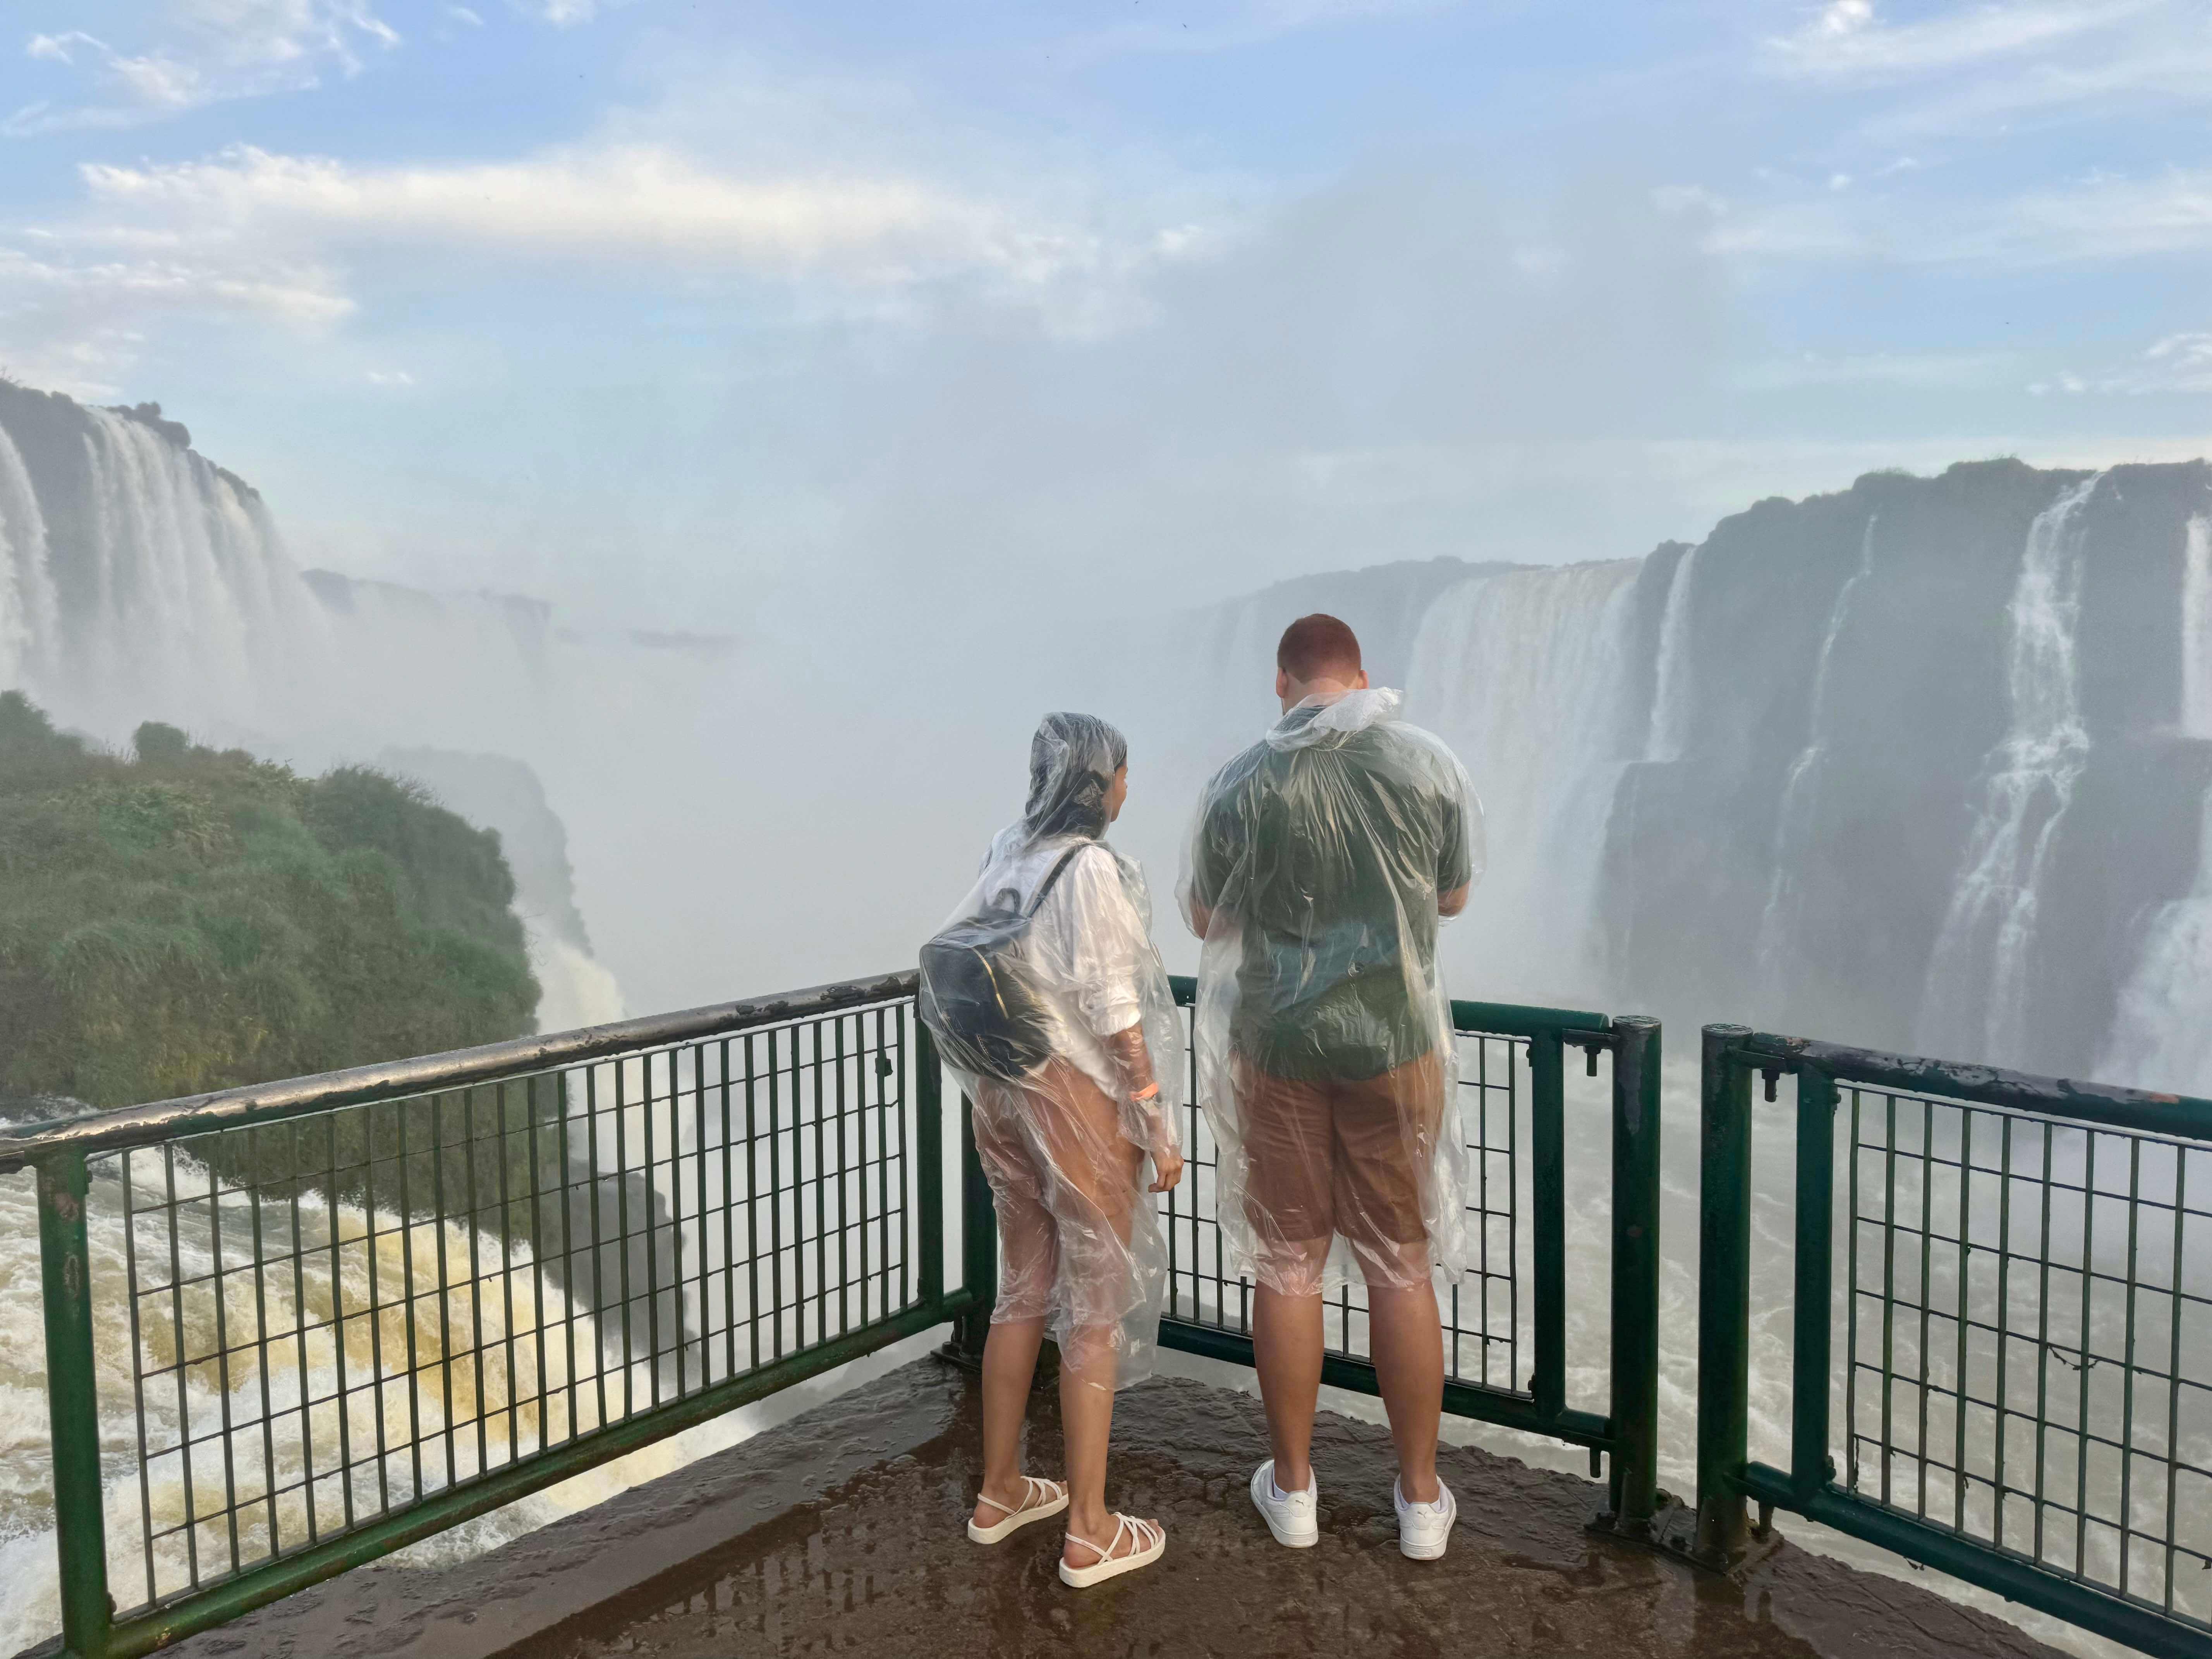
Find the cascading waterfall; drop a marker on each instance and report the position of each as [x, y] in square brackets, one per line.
[2197, 628]
[29, 612]
[1670, 734]
[1521, 674]
[1984, 955]
[346, 1251]
[2160, 1037]
[1794, 824]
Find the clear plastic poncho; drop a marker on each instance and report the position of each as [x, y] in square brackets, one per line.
[1325, 1063]
[1064, 1144]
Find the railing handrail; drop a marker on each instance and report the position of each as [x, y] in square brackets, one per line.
[2144, 1110]
[267, 1103]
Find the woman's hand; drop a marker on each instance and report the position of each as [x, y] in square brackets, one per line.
[1167, 1166]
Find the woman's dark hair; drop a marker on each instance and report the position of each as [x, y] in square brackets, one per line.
[1073, 761]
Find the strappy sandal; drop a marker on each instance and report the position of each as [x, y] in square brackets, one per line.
[1152, 1541]
[1053, 1501]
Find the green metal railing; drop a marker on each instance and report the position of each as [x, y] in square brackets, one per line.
[346, 1312]
[294, 1326]
[2024, 1304]
[1505, 1322]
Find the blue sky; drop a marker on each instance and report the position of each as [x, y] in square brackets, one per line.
[670, 311]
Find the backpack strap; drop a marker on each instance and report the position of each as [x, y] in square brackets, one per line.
[1066, 859]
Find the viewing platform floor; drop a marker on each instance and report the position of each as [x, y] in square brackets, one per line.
[842, 1531]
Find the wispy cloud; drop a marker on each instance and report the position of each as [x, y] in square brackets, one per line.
[2180, 362]
[1848, 41]
[215, 50]
[638, 204]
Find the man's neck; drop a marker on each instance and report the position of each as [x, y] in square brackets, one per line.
[1297, 693]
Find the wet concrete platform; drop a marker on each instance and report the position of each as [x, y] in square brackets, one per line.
[842, 1531]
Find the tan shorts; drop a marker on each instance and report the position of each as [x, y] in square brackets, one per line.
[1332, 1156]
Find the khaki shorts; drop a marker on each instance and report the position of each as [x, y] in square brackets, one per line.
[1331, 1156]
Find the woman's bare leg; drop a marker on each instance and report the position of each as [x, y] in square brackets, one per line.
[1010, 1354]
[1086, 1418]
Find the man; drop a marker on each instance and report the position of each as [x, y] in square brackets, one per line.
[1323, 858]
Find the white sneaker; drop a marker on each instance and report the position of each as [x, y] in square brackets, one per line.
[1423, 1530]
[1288, 1515]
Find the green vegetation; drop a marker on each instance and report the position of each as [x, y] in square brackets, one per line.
[193, 919]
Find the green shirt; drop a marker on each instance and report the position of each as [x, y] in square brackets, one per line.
[1329, 850]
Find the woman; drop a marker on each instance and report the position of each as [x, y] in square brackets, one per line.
[1071, 1091]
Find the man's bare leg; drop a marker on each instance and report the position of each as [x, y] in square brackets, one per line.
[1286, 1337]
[1409, 1363]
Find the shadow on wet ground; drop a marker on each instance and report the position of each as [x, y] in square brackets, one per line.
[842, 1531]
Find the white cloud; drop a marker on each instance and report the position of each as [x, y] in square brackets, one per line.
[1847, 42]
[2180, 362]
[216, 50]
[391, 377]
[637, 204]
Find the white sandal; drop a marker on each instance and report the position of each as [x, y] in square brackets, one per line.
[1053, 1501]
[1152, 1541]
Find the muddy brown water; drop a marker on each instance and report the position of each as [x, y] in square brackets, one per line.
[842, 1532]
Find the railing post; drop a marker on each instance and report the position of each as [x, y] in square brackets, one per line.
[1548, 1138]
[979, 1244]
[1810, 1466]
[1635, 1407]
[1724, 1296]
[929, 1161]
[73, 1405]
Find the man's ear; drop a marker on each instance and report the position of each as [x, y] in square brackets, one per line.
[1282, 682]
[1362, 686]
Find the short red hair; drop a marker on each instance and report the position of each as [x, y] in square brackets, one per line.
[1318, 647]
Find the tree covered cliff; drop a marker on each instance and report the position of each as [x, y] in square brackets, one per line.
[187, 919]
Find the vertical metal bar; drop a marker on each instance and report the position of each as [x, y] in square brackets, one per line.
[979, 1236]
[2006, 1125]
[475, 1276]
[1926, 1260]
[255, 1139]
[1810, 1466]
[1888, 1293]
[884, 1176]
[599, 1252]
[729, 1224]
[844, 1201]
[1634, 1406]
[1723, 1295]
[1964, 1310]
[444, 1283]
[1548, 1138]
[699, 1217]
[929, 1162]
[222, 1358]
[2173, 1367]
[2043, 1352]
[622, 1222]
[1852, 1310]
[775, 1189]
[752, 1209]
[184, 1403]
[2081, 1411]
[648, 1106]
[821, 1198]
[2128, 1366]
[73, 1403]
[337, 1303]
[138, 1369]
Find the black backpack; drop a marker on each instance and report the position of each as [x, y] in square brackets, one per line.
[976, 996]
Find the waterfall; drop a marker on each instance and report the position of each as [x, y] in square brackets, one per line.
[2197, 628]
[28, 613]
[1984, 955]
[1794, 823]
[1522, 673]
[1669, 735]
